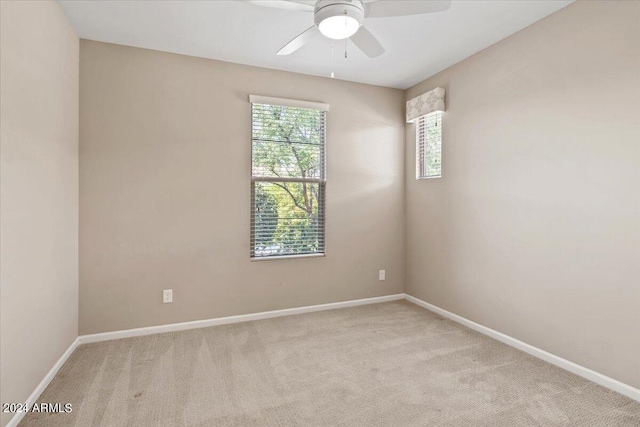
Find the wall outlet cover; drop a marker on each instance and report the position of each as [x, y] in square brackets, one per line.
[167, 296]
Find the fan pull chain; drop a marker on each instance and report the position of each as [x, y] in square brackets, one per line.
[332, 63]
[345, 40]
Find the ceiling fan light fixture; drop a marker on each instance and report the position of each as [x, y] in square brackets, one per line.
[339, 19]
[339, 27]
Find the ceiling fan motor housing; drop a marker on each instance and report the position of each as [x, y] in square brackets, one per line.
[326, 9]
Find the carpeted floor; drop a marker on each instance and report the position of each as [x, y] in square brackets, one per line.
[389, 364]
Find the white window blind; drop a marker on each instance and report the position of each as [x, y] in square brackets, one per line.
[429, 146]
[288, 152]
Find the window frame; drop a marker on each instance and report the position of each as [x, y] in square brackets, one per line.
[321, 180]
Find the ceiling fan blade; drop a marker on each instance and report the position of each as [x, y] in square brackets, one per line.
[382, 8]
[367, 43]
[299, 41]
[302, 6]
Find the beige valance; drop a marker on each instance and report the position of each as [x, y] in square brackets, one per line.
[424, 104]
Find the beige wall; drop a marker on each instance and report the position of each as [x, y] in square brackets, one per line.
[534, 228]
[165, 190]
[39, 193]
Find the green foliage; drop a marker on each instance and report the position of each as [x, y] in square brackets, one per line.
[266, 209]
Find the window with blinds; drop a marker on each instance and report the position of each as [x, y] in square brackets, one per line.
[429, 146]
[288, 151]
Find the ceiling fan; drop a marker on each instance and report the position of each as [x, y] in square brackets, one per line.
[341, 19]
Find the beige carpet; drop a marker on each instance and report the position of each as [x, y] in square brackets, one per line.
[390, 364]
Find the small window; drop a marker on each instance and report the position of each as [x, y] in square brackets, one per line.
[287, 181]
[429, 146]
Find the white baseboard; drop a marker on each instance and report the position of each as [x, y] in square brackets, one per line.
[587, 373]
[44, 383]
[106, 336]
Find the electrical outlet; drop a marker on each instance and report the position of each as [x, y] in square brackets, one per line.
[382, 274]
[167, 296]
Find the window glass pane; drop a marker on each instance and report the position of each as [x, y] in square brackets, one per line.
[429, 146]
[287, 142]
[288, 218]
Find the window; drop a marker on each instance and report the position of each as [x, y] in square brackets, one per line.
[287, 180]
[429, 146]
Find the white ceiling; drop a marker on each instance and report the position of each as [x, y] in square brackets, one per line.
[417, 47]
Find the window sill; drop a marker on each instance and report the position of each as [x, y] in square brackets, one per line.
[269, 258]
